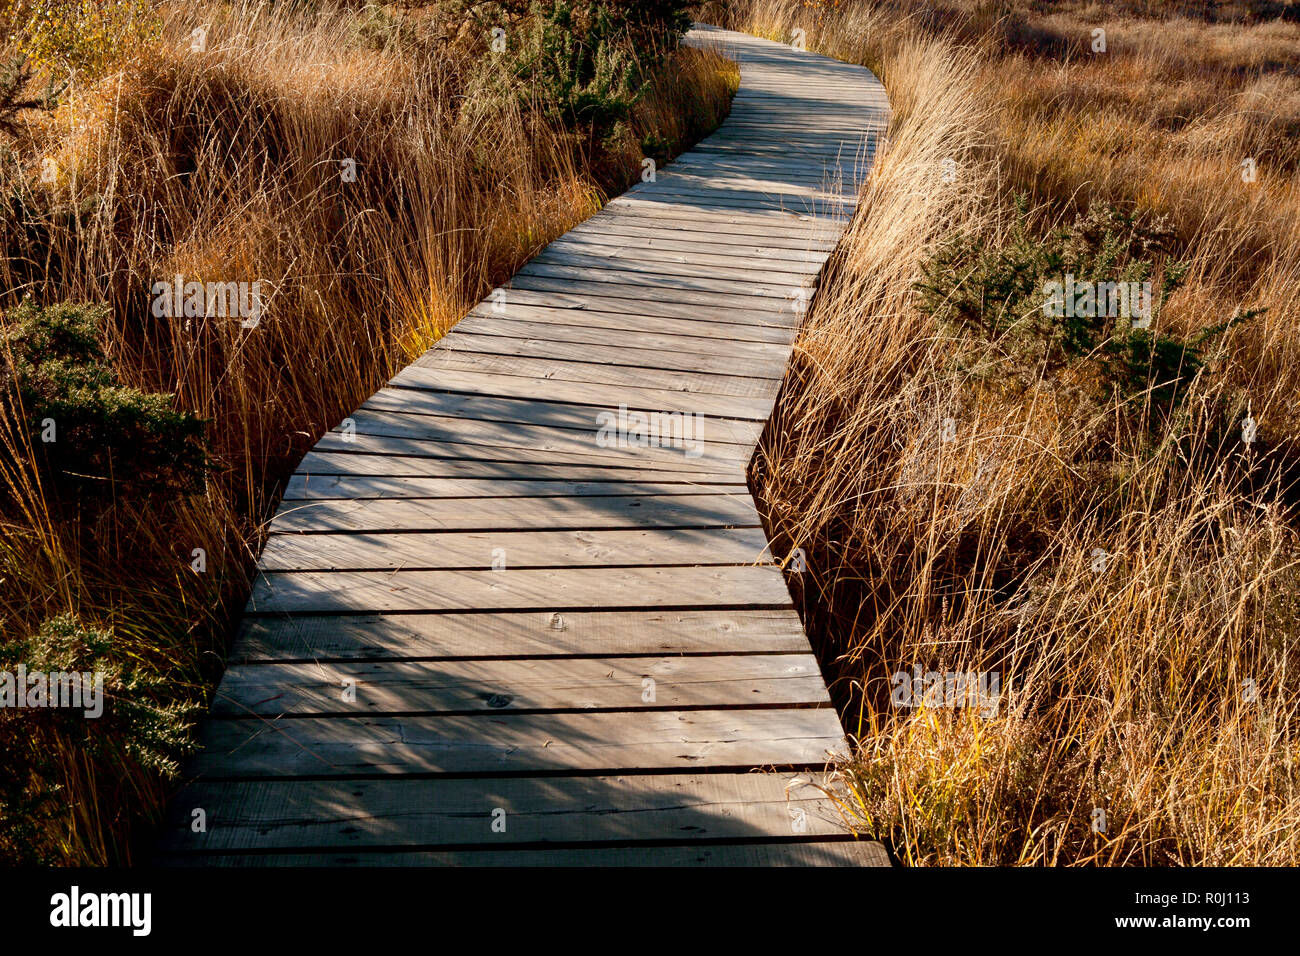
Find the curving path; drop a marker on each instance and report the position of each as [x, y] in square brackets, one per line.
[494, 625]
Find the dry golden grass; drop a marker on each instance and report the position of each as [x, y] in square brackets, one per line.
[225, 165]
[1129, 690]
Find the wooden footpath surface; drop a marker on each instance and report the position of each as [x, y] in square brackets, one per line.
[501, 618]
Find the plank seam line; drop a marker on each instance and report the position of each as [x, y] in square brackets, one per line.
[526, 711]
[538, 609]
[469, 658]
[805, 766]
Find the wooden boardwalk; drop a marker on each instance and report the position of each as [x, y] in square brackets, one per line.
[495, 627]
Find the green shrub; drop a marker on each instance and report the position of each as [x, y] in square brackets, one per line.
[14, 99]
[994, 297]
[582, 78]
[584, 63]
[107, 439]
[378, 28]
[133, 726]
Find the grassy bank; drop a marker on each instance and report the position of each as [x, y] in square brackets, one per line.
[379, 169]
[1101, 514]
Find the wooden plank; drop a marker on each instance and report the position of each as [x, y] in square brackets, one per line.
[514, 550]
[798, 853]
[748, 145]
[639, 262]
[607, 395]
[595, 373]
[296, 814]
[676, 191]
[828, 182]
[517, 634]
[628, 275]
[616, 225]
[598, 299]
[341, 592]
[629, 339]
[544, 453]
[584, 418]
[708, 363]
[525, 589]
[252, 748]
[798, 228]
[795, 221]
[704, 508]
[807, 185]
[725, 334]
[794, 260]
[770, 305]
[677, 196]
[509, 686]
[844, 174]
[325, 463]
[319, 487]
[693, 440]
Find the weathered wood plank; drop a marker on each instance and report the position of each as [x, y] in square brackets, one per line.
[808, 187]
[515, 549]
[719, 335]
[323, 463]
[526, 589]
[251, 748]
[798, 853]
[616, 225]
[738, 290]
[603, 395]
[599, 374]
[705, 508]
[508, 686]
[596, 298]
[295, 814]
[583, 418]
[517, 634]
[706, 362]
[656, 243]
[683, 193]
[697, 436]
[776, 307]
[800, 229]
[544, 453]
[737, 273]
[682, 441]
[357, 487]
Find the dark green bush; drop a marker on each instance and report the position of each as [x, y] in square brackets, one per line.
[14, 100]
[108, 439]
[132, 726]
[585, 63]
[994, 296]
